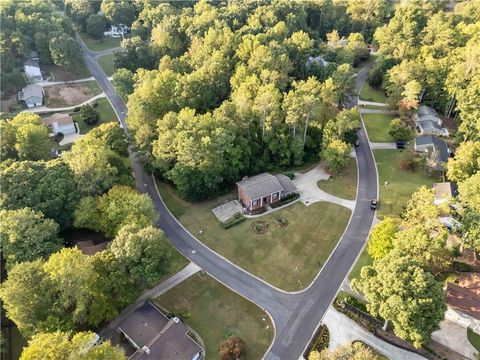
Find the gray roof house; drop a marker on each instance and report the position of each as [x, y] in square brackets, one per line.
[157, 337]
[431, 127]
[32, 95]
[429, 143]
[426, 110]
[260, 190]
[32, 70]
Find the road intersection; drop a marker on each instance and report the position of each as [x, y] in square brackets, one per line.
[296, 315]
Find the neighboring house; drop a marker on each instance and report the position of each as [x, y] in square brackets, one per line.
[427, 144]
[463, 301]
[263, 189]
[61, 123]
[32, 70]
[444, 192]
[427, 111]
[117, 31]
[32, 95]
[431, 127]
[317, 59]
[157, 337]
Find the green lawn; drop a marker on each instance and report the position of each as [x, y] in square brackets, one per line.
[215, 313]
[377, 126]
[57, 73]
[367, 93]
[474, 339]
[105, 112]
[401, 183]
[103, 43]
[106, 63]
[344, 184]
[287, 257]
[363, 260]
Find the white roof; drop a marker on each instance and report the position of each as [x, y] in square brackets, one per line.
[32, 69]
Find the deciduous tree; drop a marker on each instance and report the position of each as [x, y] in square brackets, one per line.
[123, 82]
[466, 161]
[336, 155]
[349, 351]
[96, 26]
[382, 238]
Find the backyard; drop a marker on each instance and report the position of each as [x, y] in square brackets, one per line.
[104, 43]
[70, 94]
[368, 93]
[106, 63]
[377, 126]
[401, 183]
[215, 313]
[288, 254]
[344, 184]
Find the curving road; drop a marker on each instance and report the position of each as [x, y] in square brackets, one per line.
[295, 315]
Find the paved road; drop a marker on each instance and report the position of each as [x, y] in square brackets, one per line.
[295, 315]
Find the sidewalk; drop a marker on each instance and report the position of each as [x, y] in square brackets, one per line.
[158, 290]
[343, 330]
[364, 102]
[45, 83]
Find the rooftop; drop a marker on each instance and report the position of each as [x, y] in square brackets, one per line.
[444, 190]
[464, 296]
[426, 110]
[60, 119]
[437, 143]
[260, 185]
[166, 339]
[32, 90]
[429, 124]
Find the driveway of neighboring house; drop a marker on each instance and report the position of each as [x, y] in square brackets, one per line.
[70, 138]
[455, 338]
[383, 146]
[343, 330]
[310, 192]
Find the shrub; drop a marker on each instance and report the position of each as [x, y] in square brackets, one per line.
[409, 164]
[232, 348]
[238, 218]
[290, 175]
[58, 137]
[88, 114]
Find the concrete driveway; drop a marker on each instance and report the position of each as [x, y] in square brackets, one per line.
[310, 193]
[455, 338]
[383, 146]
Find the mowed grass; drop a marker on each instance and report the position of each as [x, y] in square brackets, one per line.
[344, 184]
[106, 63]
[105, 112]
[103, 43]
[377, 126]
[288, 258]
[401, 183]
[215, 313]
[473, 338]
[363, 260]
[368, 93]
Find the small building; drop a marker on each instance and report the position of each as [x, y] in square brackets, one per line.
[156, 337]
[431, 127]
[444, 192]
[463, 300]
[32, 95]
[32, 70]
[316, 60]
[117, 31]
[263, 189]
[429, 143]
[61, 123]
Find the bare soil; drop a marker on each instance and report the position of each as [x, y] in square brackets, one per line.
[70, 94]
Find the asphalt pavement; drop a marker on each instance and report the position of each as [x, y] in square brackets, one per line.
[295, 315]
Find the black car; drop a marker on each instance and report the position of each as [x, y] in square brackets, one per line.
[400, 145]
[357, 143]
[374, 204]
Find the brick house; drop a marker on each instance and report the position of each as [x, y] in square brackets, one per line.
[260, 190]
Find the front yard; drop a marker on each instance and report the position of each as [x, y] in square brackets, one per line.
[363, 260]
[105, 113]
[66, 95]
[288, 257]
[377, 126]
[215, 313]
[104, 43]
[368, 93]
[344, 184]
[401, 183]
[58, 73]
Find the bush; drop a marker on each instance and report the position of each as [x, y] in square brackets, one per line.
[319, 341]
[290, 175]
[88, 115]
[285, 200]
[58, 137]
[96, 25]
[409, 164]
[375, 77]
[238, 218]
[232, 348]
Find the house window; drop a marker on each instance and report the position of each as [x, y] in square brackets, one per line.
[275, 196]
[254, 202]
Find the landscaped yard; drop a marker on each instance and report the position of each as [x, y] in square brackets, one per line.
[363, 260]
[105, 112]
[377, 126]
[379, 355]
[288, 257]
[106, 63]
[71, 94]
[367, 93]
[215, 313]
[401, 183]
[104, 43]
[344, 184]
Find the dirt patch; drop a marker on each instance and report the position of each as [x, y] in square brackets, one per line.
[259, 227]
[71, 94]
[11, 105]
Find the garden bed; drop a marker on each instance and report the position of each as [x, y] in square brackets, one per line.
[319, 341]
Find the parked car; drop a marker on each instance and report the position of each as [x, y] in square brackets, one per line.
[357, 143]
[400, 144]
[374, 204]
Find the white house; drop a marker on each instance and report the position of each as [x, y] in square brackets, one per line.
[32, 95]
[32, 70]
[61, 123]
[117, 31]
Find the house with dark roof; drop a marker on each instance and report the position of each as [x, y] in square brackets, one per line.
[32, 95]
[156, 337]
[429, 123]
[428, 144]
[260, 190]
[463, 300]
